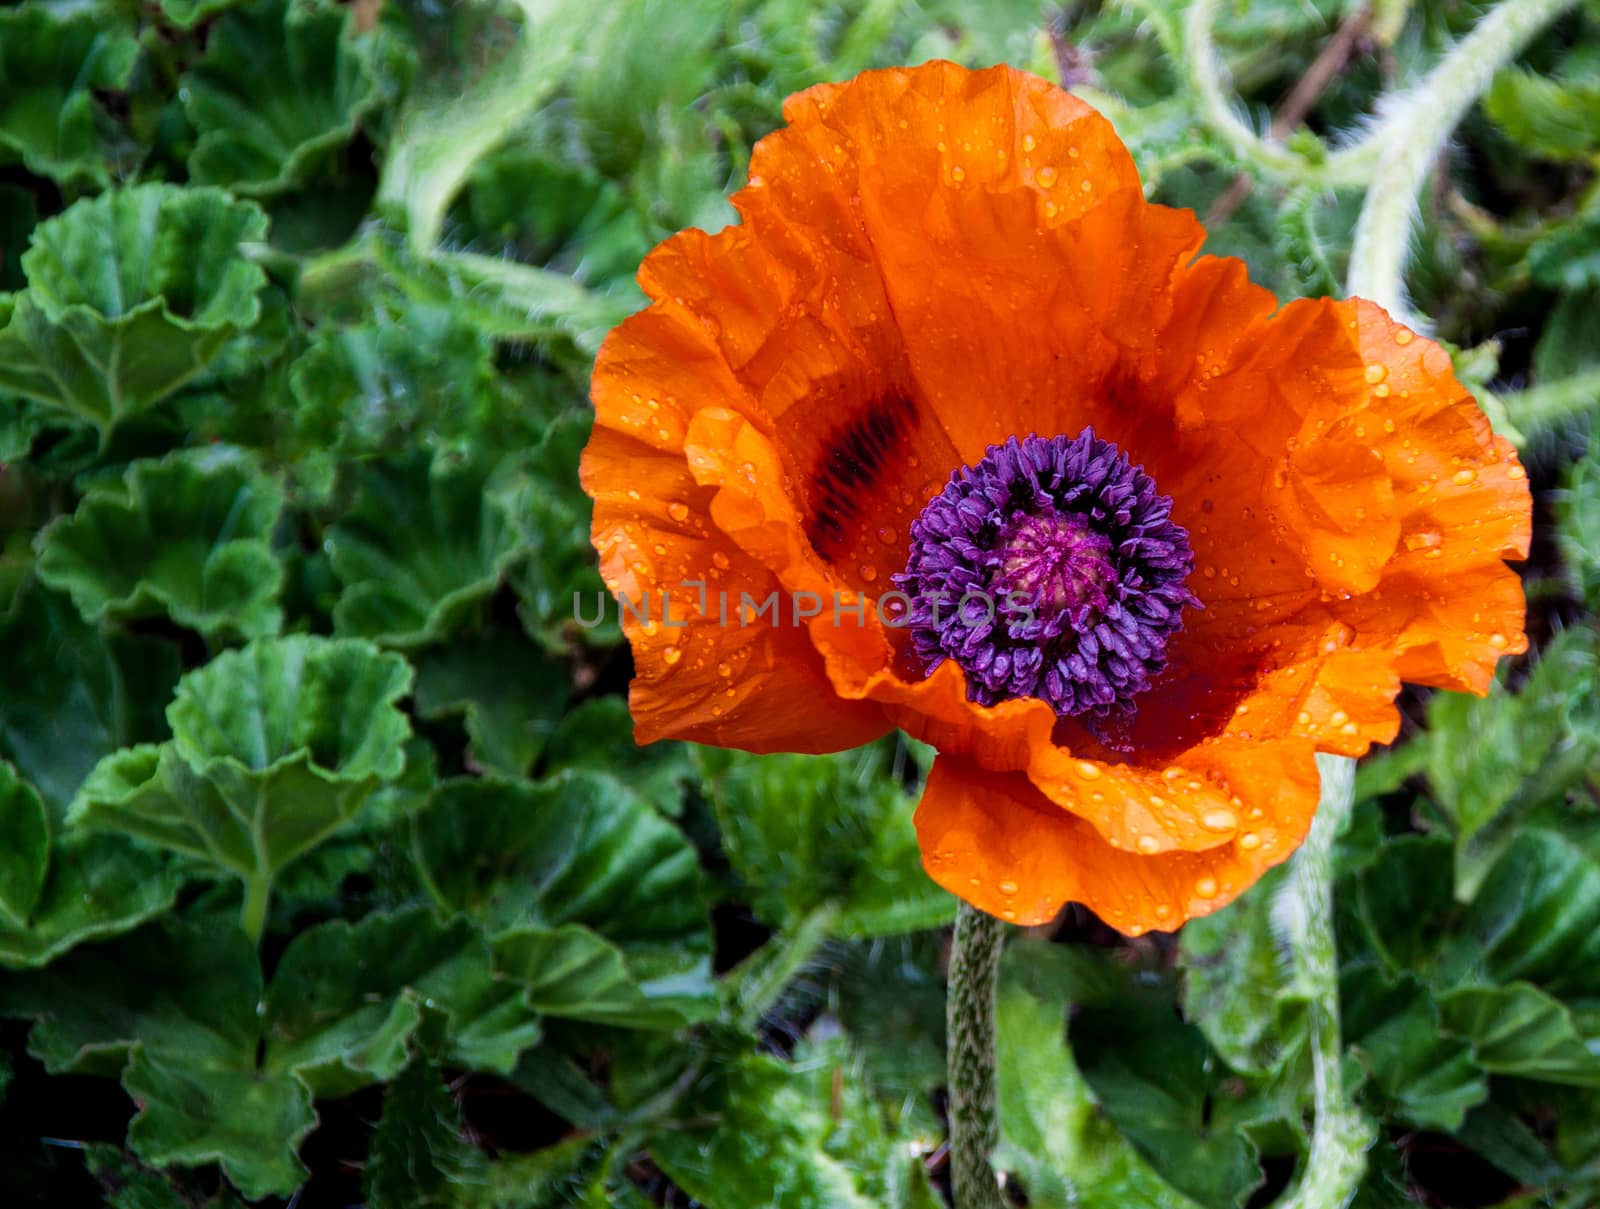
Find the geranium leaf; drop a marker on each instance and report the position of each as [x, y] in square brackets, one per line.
[347, 999]
[188, 536]
[130, 296]
[571, 972]
[597, 735]
[1053, 1134]
[422, 546]
[785, 1136]
[805, 830]
[24, 848]
[575, 849]
[511, 694]
[74, 694]
[51, 67]
[1519, 1030]
[1240, 988]
[95, 886]
[283, 83]
[276, 746]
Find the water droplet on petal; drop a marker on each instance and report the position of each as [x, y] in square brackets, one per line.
[1046, 176]
[1376, 374]
[671, 654]
[678, 511]
[1249, 841]
[1087, 770]
[1206, 887]
[1220, 820]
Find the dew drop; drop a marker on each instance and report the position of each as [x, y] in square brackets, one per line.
[1088, 771]
[720, 561]
[1249, 841]
[868, 572]
[724, 670]
[1046, 176]
[671, 654]
[958, 174]
[1007, 887]
[1339, 718]
[1376, 374]
[1220, 820]
[886, 536]
[1462, 477]
[1148, 844]
[1163, 911]
[1516, 472]
[678, 511]
[1403, 337]
[1029, 142]
[1381, 390]
[1206, 887]
[1498, 641]
[632, 495]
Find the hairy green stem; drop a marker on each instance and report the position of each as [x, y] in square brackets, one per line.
[757, 984]
[970, 1057]
[1415, 130]
[1304, 907]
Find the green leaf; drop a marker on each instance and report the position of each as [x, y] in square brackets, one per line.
[1568, 257]
[597, 736]
[1520, 1030]
[1393, 1028]
[24, 848]
[1239, 986]
[511, 694]
[1533, 918]
[95, 886]
[276, 746]
[575, 849]
[188, 537]
[1577, 508]
[423, 545]
[805, 830]
[188, 13]
[1551, 119]
[51, 67]
[1053, 1134]
[1492, 760]
[283, 84]
[347, 999]
[571, 972]
[131, 295]
[74, 694]
[778, 1140]
[173, 1008]
[418, 1158]
[1569, 339]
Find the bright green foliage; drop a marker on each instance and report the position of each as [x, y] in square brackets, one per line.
[130, 296]
[188, 537]
[50, 67]
[264, 123]
[320, 809]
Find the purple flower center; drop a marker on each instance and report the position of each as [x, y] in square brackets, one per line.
[1051, 569]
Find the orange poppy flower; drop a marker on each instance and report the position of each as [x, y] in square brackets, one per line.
[950, 348]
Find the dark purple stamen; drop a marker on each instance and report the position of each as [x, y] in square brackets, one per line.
[1051, 569]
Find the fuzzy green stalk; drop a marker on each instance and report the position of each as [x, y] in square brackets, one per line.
[970, 1058]
[1415, 130]
[1341, 1135]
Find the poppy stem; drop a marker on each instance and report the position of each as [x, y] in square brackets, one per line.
[1341, 1135]
[970, 1057]
[1416, 128]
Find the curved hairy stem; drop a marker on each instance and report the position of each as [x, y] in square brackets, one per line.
[1304, 908]
[1415, 131]
[970, 1057]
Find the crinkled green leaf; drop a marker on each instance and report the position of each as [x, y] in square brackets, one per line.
[1568, 258]
[1415, 1072]
[346, 1000]
[21, 422]
[1551, 119]
[95, 886]
[251, 1123]
[188, 536]
[511, 694]
[1578, 524]
[1534, 917]
[131, 295]
[51, 67]
[24, 848]
[780, 1137]
[276, 746]
[282, 85]
[129, 1184]
[189, 13]
[572, 972]
[1404, 901]
[1239, 987]
[575, 849]
[1494, 759]
[598, 735]
[1569, 342]
[1520, 1030]
[72, 693]
[1053, 1134]
[805, 830]
[423, 545]
[557, 579]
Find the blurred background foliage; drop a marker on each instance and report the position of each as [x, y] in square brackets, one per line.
[297, 305]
